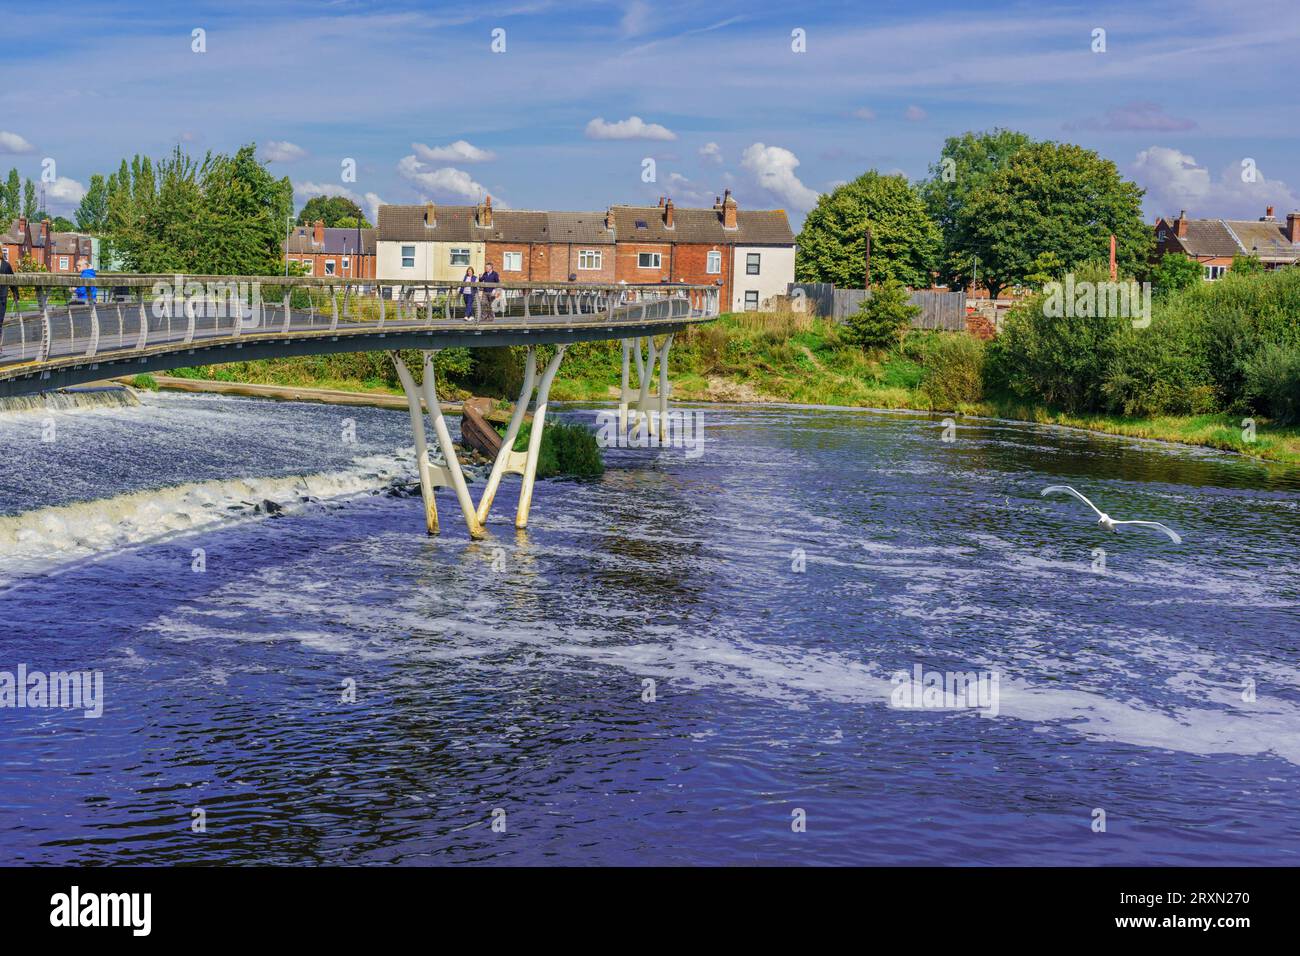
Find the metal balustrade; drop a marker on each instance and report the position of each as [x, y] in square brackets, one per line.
[148, 314]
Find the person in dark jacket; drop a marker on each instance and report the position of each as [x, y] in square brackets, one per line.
[491, 295]
[6, 270]
[467, 290]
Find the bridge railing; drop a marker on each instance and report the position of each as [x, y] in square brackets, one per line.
[75, 317]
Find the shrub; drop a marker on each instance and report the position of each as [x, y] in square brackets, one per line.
[882, 319]
[1174, 273]
[1273, 381]
[954, 366]
[1159, 370]
[568, 450]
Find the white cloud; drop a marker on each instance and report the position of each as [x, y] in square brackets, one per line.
[282, 151]
[634, 127]
[864, 113]
[448, 182]
[712, 152]
[13, 143]
[64, 192]
[1139, 115]
[685, 191]
[373, 202]
[914, 114]
[309, 190]
[1174, 181]
[636, 18]
[458, 152]
[773, 167]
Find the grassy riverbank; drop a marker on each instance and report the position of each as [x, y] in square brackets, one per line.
[786, 358]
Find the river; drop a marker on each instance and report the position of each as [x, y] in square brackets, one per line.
[689, 661]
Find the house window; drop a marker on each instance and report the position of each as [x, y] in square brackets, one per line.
[329, 267]
[714, 266]
[347, 263]
[1161, 234]
[589, 258]
[1215, 272]
[751, 300]
[512, 261]
[63, 263]
[408, 257]
[751, 265]
[649, 260]
[460, 255]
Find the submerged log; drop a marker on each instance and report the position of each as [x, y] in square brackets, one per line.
[476, 432]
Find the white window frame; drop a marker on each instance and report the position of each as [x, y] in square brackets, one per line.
[753, 263]
[657, 257]
[408, 256]
[461, 252]
[748, 294]
[63, 263]
[516, 257]
[347, 264]
[1213, 273]
[593, 259]
[713, 263]
[1162, 235]
[329, 267]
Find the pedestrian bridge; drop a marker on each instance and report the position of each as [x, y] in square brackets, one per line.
[84, 330]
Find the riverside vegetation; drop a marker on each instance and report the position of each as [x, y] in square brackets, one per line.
[1214, 355]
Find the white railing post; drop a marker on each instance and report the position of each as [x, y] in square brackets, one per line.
[94, 326]
[143, 339]
[47, 327]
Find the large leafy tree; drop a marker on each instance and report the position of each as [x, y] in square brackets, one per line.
[11, 202]
[904, 240]
[222, 216]
[965, 164]
[332, 210]
[29, 199]
[92, 213]
[1052, 198]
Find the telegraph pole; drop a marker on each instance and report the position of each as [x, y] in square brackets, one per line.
[868, 285]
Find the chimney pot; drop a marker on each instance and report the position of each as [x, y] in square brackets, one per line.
[1268, 213]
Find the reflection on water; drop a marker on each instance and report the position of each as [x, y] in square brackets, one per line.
[512, 673]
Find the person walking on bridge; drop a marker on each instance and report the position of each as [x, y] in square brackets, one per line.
[495, 296]
[467, 290]
[6, 270]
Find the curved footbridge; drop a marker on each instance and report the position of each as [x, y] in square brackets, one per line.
[86, 330]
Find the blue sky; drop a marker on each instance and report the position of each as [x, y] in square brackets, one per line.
[585, 92]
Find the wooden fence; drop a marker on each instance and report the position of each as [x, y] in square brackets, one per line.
[939, 310]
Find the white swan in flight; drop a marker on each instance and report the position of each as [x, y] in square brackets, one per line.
[1109, 523]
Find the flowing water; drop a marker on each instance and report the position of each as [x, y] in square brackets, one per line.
[689, 661]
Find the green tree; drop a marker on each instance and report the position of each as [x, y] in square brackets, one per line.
[904, 241]
[1052, 197]
[965, 164]
[59, 223]
[882, 318]
[10, 199]
[1175, 272]
[92, 213]
[29, 199]
[1246, 266]
[332, 210]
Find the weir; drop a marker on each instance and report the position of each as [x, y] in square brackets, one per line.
[123, 325]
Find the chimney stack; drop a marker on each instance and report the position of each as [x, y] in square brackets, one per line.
[668, 214]
[430, 215]
[318, 232]
[661, 202]
[1180, 226]
[45, 231]
[609, 218]
[728, 211]
[1268, 215]
[1293, 227]
[22, 227]
[485, 213]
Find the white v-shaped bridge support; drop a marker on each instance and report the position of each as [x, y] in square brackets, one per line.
[507, 460]
[639, 401]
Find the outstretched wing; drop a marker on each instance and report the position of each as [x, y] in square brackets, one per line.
[1173, 535]
[1070, 491]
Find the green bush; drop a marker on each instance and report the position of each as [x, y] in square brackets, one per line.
[1158, 370]
[1273, 381]
[954, 366]
[882, 319]
[568, 450]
